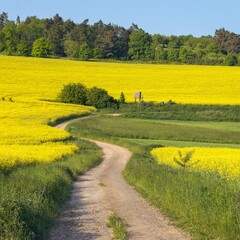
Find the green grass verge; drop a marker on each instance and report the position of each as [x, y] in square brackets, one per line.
[206, 205]
[184, 112]
[120, 127]
[172, 143]
[118, 227]
[32, 196]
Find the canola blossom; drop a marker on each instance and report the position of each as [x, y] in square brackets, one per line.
[11, 155]
[26, 84]
[225, 161]
[29, 78]
[25, 136]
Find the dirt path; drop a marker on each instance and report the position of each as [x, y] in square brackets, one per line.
[102, 190]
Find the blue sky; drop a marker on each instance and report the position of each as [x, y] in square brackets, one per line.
[168, 17]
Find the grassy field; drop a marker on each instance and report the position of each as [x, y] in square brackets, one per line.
[182, 112]
[157, 130]
[204, 203]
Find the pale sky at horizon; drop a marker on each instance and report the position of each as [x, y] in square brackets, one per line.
[170, 17]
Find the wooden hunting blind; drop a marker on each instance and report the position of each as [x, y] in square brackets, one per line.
[138, 95]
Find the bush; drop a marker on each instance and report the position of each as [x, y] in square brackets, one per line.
[77, 93]
[73, 93]
[99, 98]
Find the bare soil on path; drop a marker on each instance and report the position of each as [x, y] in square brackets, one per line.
[103, 190]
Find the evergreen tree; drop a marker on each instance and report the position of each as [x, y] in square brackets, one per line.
[3, 19]
[122, 98]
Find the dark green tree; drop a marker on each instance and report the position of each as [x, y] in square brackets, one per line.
[99, 98]
[139, 43]
[122, 98]
[80, 33]
[56, 34]
[2, 43]
[105, 39]
[120, 48]
[73, 93]
[3, 20]
[41, 48]
[18, 20]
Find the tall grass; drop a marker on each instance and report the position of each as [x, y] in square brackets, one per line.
[32, 196]
[118, 227]
[204, 204]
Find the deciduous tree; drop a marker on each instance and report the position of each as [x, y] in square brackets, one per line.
[139, 43]
[41, 47]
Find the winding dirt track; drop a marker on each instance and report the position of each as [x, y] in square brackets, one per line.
[103, 190]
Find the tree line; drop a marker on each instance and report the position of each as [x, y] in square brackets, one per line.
[65, 38]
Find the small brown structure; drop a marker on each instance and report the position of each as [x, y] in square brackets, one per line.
[138, 95]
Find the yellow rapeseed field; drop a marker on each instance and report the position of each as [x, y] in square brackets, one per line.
[225, 161]
[44, 78]
[26, 82]
[25, 136]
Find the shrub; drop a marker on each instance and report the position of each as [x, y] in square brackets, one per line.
[99, 98]
[122, 98]
[73, 93]
[77, 93]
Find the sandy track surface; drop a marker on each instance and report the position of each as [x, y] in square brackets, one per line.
[103, 190]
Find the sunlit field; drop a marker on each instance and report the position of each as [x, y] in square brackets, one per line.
[26, 82]
[225, 161]
[25, 136]
[183, 84]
